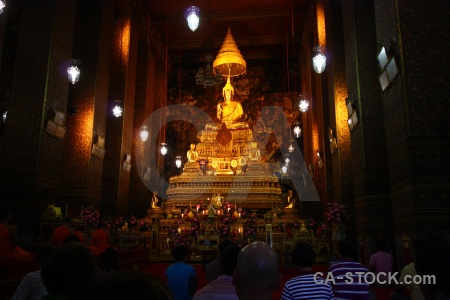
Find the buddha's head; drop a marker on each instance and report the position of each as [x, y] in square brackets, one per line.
[192, 146]
[228, 91]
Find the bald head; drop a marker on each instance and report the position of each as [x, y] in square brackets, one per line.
[257, 270]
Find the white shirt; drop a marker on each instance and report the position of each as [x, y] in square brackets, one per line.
[31, 287]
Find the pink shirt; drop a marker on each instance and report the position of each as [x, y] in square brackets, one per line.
[383, 262]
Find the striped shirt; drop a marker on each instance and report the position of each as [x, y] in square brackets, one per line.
[307, 287]
[347, 284]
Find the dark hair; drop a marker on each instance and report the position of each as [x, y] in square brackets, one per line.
[180, 252]
[71, 238]
[434, 259]
[4, 214]
[347, 249]
[228, 259]
[44, 251]
[380, 244]
[224, 244]
[123, 285]
[67, 268]
[419, 245]
[68, 219]
[109, 259]
[303, 255]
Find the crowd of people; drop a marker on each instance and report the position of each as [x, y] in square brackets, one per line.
[71, 269]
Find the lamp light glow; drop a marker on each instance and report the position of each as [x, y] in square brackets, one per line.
[178, 164]
[192, 17]
[144, 133]
[2, 6]
[291, 147]
[5, 114]
[297, 131]
[284, 169]
[303, 104]
[319, 60]
[163, 148]
[73, 73]
[117, 110]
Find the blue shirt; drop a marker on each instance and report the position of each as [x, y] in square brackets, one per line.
[178, 275]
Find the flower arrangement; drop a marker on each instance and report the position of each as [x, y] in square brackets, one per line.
[143, 226]
[225, 228]
[251, 226]
[311, 224]
[132, 222]
[195, 227]
[173, 229]
[90, 217]
[336, 213]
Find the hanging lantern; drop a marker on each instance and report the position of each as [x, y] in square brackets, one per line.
[178, 162]
[284, 169]
[303, 103]
[73, 73]
[287, 161]
[5, 114]
[291, 147]
[117, 110]
[192, 17]
[319, 60]
[2, 6]
[297, 131]
[144, 133]
[163, 148]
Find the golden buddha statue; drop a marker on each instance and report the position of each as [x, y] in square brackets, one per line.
[192, 155]
[290, 199]
[154, 202]
[254, 153]
[228, 111]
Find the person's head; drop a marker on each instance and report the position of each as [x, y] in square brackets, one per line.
[180, 252]
[68, 220]
[347, 249]
[5, 215]
[44, 251]
[155, 193]
[109, 259]
[67, 268]
[303, 255]
[418, 246]
[71, 238]
[434, 259]
[223, 244]
[380, 245]
[228, 259]
[256, 274]
[123, 285]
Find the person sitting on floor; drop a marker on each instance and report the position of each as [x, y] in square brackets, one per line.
[213, 270]
[123, 285]
[100, 240]
[108, 263]
[9, 241]
[308, 285]
[256, 275]
[341, 271]
[222, 288]
[434, 261]
[66, 269]
[62, 232]
[181, 277]
[31, 287]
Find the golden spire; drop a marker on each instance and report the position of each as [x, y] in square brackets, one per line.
[229, 60]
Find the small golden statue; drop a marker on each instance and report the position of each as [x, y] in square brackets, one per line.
[216, 201]
[290, 199]
[154, 202]
[254, 153]
[192, 155]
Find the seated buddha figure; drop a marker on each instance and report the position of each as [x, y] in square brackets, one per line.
[192, 155]
[228, 111]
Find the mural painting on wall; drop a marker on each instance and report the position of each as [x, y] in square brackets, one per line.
[259, 87]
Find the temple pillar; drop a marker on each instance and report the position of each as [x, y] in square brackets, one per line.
[339, 166]
[119, 130]
[81, 178]
[368, 143]
[140, 195]
[38, 87]
[416, 116]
